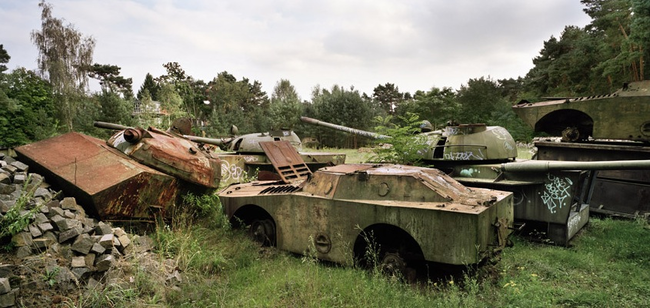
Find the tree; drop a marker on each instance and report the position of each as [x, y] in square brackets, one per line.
[64, 56]
[388, 97]
[4, 59]
[110, 79]
[611, 19]
[285, 109]
[150, 86]
[478, 99]
[436, 106]
[341, 107]
[26, 108]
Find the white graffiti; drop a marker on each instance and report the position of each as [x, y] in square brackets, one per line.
[231, 172]
[503, 135]
[467, 155]
[452, 130]
[556, 191]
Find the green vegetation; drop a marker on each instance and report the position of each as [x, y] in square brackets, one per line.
[20, 215]
[406, 144]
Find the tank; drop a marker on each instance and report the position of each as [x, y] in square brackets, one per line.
[465, 142]
[137, 175]
[243, 158]
[606, 127]
[553, 201]
[340, 213]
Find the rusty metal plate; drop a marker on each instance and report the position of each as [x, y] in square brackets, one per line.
[104, 181]
[286, 160]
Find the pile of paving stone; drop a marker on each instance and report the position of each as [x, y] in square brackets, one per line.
[82, 247]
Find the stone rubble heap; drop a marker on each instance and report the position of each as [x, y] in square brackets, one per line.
[84, 247]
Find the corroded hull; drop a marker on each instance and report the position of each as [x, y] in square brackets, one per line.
[107, 183]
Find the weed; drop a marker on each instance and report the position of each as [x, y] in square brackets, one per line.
[19, 216]
[50, 276]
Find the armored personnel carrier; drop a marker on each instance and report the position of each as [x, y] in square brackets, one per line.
[410, 214]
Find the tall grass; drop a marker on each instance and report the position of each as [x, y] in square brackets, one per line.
[607, 266]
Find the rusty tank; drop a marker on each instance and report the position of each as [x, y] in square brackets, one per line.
[605, 127]
[137, 174]
[339, 213]
[553, 201]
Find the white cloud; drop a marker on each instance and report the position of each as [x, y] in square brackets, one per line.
[415, 44]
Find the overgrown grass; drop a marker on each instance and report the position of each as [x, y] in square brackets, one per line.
[607, 266]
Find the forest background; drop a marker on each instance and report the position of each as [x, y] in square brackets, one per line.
[34, 105]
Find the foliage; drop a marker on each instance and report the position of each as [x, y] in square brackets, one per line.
[438, 106]
[26, 108]
[110, 79]
[114, 109]
[342, 107]
[285, 109]
[150, 86]
[405, 145]
[19, 216]
[4, 59]
[387, 97]
[237, 103]
[64, 56]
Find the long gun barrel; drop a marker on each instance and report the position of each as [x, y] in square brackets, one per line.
[107, 125]
[344, 128]
[549, 165]
[213, 141]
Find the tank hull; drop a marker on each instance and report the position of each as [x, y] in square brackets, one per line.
[107, 183]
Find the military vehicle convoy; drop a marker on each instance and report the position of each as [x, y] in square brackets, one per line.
[605, 127]
[555, 199]
[410, 214]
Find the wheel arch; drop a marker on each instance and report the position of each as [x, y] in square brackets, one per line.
[385, 237]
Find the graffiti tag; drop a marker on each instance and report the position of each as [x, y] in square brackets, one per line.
[231, 172]
[556, 192]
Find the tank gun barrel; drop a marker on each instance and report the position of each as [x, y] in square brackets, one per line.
[213, 141]
[548, 165]
[344, 128]
[108, 125]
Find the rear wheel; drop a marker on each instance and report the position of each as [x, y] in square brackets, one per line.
[263, 232]
[393, 264]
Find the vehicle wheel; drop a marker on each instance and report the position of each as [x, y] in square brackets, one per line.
[392, 264]
[263, 232]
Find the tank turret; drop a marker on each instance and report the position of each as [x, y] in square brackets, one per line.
[464, 142]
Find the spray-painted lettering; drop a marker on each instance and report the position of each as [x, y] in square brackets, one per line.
[556, 192]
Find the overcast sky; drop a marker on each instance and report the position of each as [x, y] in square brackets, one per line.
[414, 44]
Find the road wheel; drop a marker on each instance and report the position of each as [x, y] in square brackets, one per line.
[392, 264]
[263, 232]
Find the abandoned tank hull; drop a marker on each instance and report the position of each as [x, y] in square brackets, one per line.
[107, 183]
[412, 213]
